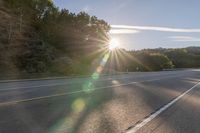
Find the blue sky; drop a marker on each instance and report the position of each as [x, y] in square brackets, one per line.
[139, 24]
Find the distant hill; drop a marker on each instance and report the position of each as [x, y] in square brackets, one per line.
[188, 57]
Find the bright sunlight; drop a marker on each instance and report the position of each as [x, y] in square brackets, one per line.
[113, 44]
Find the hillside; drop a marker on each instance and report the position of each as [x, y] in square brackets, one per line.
[17, 31]
[40, 38]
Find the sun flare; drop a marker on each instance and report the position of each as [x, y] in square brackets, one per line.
[113, 44]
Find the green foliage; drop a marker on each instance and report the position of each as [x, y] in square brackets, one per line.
[181, 58]
[150, 61]
[35, 58]
[75, 34]
[76, 37]
[62, 34]
[158, 59]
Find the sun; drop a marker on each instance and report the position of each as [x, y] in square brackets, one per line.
[113, 44]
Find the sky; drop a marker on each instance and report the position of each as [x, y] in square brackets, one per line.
[140, 24]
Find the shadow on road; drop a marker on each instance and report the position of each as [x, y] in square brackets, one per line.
[101, 111]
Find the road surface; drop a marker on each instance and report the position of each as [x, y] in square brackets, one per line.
[159, 102]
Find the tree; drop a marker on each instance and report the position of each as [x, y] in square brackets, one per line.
[68, 34]
[36, 57]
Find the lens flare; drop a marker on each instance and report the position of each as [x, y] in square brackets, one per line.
[78, 105]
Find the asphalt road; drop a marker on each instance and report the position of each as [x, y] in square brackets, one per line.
[160, 102]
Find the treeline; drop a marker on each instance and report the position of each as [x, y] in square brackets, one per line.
[157, 59]
[57, 40]
[41, 38]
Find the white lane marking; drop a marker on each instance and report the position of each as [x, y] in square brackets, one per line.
[66, 78]
[56, 84]
[68, 93]
[62, 94]
[154, 115]
[60, 84]
[37, 86]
